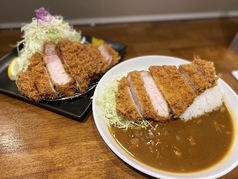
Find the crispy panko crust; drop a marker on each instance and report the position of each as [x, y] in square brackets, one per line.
[179, 86]
[26, 81]
[43, 83]
[207, 68]
[176, 90]
[83, 58]
[68, 88]
[77, 67]
[114, 54]
[101, 64]
[125, 105]
[35, 82]
[194, 78]
[142, 97]
[79, 64]
[27, 87]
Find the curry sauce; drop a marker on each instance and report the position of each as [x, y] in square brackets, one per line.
[179, 146]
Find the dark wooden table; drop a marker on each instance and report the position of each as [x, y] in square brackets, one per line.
[37, 143]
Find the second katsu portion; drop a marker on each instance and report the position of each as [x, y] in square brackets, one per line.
[165, 92]
[64, 69]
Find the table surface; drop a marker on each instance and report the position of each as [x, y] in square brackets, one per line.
[37, 143]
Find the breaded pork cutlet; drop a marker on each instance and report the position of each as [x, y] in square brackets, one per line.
[207, 69]
[43, 83]
[64, 69]
[26, 81]
[41, 78]
[109, 54]
[161, 110]
[141, 96]
[26, 86]
[194, 78]
[125, 104]
[176, 90]
[75, 65]
[101, 64]
[62, 81]
[84, 59]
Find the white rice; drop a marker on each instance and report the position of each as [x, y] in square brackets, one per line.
[208, 101]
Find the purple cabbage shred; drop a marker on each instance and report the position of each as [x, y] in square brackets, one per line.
[42, 14]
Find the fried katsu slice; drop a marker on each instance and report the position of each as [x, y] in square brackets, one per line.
[74, 64]
[58, 74]
[108, 53]
[26, 81]
[26, 85]
[207, 69]
[141, 97]
[157, 99]
[194, 78]
[101, 64]
[84, 59]
[41, 78]
[176, 90]
[125, 104]
[43, 83]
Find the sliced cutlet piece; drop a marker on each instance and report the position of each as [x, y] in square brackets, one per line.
[176, 90]
[84, 59]
[161, 110]
[42, 80]
[59, 76]
[75, 65]
[109, 54]
[194, 78]
[207, 69]
[125, 105]
[101, 64]
[43, 83]
[140, 95]
[26, 81]
[27, 87]
[138, 91]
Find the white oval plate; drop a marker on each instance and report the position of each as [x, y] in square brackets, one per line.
[143, 63]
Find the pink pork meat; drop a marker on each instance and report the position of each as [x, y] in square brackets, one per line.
[61, 79]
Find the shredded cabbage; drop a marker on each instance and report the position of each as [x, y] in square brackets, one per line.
[43, 28]
[106, 109]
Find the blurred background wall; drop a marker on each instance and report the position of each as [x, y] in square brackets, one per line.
[14, 13]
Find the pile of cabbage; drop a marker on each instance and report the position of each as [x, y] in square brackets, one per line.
[44, 27]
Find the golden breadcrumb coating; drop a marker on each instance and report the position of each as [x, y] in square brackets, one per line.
[41, 78]
[176, 90]
[142, 97]
[63, 69]
[83, 58]
[43, 83]
[125, 105]
[26, 81]
[114, 54]
[195, 79]
[26, 86]
[207, 68]
[101, 64]
[71, 56]
[68, 88]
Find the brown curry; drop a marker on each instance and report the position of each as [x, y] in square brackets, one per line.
[179, 146]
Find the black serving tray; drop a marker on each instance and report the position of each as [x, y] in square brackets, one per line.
[75, 108]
